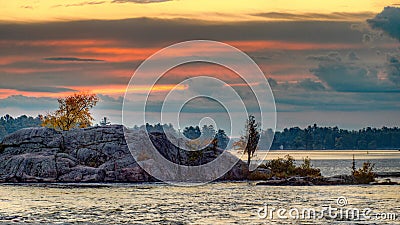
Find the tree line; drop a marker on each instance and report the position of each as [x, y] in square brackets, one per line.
[9, 125]
[314, 137]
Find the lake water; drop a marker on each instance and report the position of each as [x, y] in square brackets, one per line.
[218, 203]
[215, 203]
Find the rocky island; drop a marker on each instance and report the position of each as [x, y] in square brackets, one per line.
[100, 154]
[96, 154]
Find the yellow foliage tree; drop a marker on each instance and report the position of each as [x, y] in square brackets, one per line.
[74, 111]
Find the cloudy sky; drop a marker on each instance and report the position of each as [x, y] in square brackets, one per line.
[328, 62]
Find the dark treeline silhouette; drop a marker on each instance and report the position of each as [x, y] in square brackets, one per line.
[314, 137]
[9, 125]
[207, 132]
[156, 127]
[190, 132]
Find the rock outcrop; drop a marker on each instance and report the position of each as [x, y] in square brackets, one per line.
[309, 181]
[97, 154]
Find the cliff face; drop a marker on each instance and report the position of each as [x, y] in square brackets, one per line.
[98, 154]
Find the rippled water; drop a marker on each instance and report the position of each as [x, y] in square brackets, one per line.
[218, 203]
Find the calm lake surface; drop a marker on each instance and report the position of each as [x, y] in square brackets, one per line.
[215, 203]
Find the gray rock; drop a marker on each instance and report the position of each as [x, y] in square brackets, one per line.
[64, 163]
[97, 154]
[31, 140]
[83, 174]
[335, 180]
[29, 166]
[387, 174]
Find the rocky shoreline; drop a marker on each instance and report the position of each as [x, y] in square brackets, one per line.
[323, 181]
[100, 155]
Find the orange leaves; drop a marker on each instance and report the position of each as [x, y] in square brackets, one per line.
[74, 111]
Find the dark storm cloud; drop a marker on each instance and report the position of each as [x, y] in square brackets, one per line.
[335, 101]
[347, 76]
[301, 85]
[311, 85]
[304, 85]
[388, 21]
[331, 56]
[313, 16]
[109, 103]
[146, 32]
[140, 1]
[73, 59]
[19, 101]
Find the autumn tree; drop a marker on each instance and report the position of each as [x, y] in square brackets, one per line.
[364, 175]
[73, 112]
[249, 140]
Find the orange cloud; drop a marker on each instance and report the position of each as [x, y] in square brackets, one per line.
[112, 90]
[36, 70]
[115, 54]
[121, 89]
[4, 93]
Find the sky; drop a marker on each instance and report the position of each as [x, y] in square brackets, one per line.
[334, 63]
